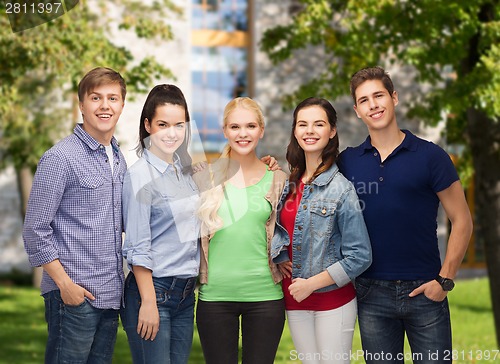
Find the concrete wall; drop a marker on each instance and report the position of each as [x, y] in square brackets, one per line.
[12, 253]
[175, 55]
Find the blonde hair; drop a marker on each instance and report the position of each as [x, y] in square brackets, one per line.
[244, 103]
[212, 189]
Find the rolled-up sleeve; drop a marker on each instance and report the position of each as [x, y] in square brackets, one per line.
[136, 203]
[355, 247]
[46, 193]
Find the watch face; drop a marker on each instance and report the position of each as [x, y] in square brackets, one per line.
[448, 284]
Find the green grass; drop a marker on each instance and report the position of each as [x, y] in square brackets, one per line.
[23, 329]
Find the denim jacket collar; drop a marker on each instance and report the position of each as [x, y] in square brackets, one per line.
[326, 177]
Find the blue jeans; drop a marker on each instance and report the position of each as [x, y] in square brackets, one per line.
[386, 313]
[175, 301]
[79, 334]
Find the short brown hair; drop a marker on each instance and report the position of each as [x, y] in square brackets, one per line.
[97, 77]
[370, 73]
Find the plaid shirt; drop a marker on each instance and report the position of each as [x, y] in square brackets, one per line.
[74, 215]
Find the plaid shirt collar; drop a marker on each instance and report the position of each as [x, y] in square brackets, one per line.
[90, 141]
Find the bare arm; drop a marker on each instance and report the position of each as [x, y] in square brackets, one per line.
[71, 293]
[148, 323]
[271, 162]
[457, 210]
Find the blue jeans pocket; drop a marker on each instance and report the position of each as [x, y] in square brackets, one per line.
[79, 334]
[362, 289]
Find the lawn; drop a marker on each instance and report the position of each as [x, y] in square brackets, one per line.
[23, 330]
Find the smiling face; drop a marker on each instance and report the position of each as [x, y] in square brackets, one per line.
[312, 130]
[167, 130]
[243, 131]
[375, 106]
[101, 108]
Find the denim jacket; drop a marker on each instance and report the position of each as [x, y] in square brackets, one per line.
[329, 232]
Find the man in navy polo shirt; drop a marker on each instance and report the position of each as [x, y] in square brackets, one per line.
[400, 180]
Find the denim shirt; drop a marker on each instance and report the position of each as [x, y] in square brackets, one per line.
[329, 232]
[161, 228]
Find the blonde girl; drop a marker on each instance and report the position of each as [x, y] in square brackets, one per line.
[239, 281]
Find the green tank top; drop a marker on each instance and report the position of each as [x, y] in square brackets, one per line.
[238, 268]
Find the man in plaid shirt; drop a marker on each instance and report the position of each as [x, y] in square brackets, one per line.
[73, 227]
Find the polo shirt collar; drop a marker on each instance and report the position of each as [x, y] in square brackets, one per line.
[90, 141]
[366, 146]
[159, 164]
[409, 143]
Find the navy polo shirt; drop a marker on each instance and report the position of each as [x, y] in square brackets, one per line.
[400, 205]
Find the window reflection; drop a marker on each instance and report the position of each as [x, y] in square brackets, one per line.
[229, 15]
[219, 64]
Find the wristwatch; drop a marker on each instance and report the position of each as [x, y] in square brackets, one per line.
[446, 283]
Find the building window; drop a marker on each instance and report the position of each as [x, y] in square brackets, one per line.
[219, 65]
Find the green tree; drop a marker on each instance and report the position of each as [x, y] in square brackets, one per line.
[436, 38]
[41, 68]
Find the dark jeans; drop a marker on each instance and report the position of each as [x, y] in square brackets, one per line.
[175, 301]
[261, 328]
[386, 313]
[79, 334]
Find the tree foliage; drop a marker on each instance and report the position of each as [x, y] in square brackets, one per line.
[41, 68]
[432, 36]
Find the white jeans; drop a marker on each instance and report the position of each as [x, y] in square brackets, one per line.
[323, 336]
